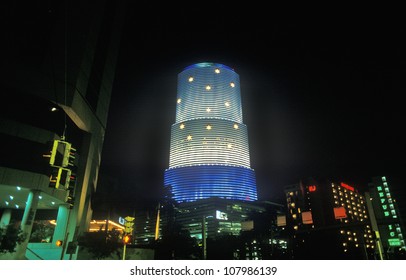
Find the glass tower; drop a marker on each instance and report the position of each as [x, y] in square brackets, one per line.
[209, 153]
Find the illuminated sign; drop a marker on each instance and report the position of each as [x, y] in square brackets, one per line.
[348, 187]
[221, 215]
[394, 242]
[281, 221]
[312, 188]
[307, 217]
[340, 213]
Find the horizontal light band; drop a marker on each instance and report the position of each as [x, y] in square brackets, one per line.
[209, 141]
[205, 92]
[199, 182]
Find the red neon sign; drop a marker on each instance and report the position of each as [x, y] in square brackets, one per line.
[312, 188]
[348, 187]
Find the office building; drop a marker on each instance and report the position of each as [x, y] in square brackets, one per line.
[209, 151]
[58, 72]
[386, 219]
[328, 220]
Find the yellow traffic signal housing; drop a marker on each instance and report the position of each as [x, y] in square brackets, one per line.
[69, 155]
[129, 224]
[62, 154]
[60, 177]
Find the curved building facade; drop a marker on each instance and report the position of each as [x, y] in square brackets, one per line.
[209, 151]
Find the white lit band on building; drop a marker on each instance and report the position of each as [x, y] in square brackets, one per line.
[209, 151]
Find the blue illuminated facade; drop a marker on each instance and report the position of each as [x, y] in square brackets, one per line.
[209, 152]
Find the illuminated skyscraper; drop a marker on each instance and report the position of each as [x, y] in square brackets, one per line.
[209, 152]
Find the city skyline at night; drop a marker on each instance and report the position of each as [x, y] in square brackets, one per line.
[279, 137]
[319, 99]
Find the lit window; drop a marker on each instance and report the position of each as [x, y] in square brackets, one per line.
[227, 104]
[190, 79]
[208, 87]
[179, 100]
[217, 71]
[182, 126]
[229, 146]
[232, 84]
[208, 110]
[208, 127]
[189, 137]
[235, 126]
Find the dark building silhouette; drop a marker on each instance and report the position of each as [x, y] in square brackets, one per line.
[57, 76]
[328, 220]
[386, 219]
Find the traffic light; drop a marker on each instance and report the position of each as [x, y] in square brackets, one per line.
[70, 188]
[127, 238]
[59, 243]
[61, 154]
[69, 155]
[54, 153]
[128, 224]
[70, 199]
[59, 178]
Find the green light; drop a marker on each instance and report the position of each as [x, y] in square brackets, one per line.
[381, 194]
[394, 242]
[386, 213]
[379, 188]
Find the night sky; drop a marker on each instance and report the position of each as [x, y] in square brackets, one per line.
[322, 97]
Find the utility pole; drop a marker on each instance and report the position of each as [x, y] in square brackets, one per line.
[204, 238]
[158, 217]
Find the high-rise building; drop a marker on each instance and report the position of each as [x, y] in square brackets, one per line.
[209, 151]
[57, 80]
[328, 220]
[386, 219]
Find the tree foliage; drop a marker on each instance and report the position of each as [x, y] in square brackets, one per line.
[176, 243]
[10, 237]
[101, 244]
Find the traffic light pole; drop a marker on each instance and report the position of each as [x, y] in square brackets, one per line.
[128, 229]
[124, 249]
